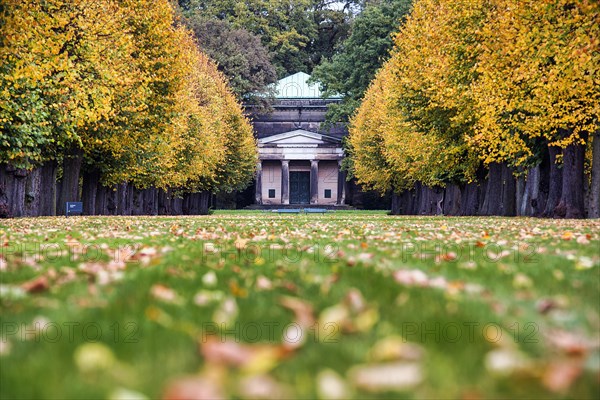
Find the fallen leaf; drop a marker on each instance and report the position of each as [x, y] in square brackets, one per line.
[567, 235]
[36, 285]
[256, 358]
[505, 361]
[209, 279]
[262, 387]
[332, 320]
[583, 239]
[263, 283]
[522, 281]
[193, 388]
[226, 313]
[331, 386]
[12, 292]
[354, 299]
[411, 277]
[570, 343]
[561, 374]
[91, 357]
[302, 310]
[127, 394]
[204, 297]
[165, 294]
[396, 376]
[395, 348]
[4, 347]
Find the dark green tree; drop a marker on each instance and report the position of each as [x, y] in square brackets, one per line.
[297, 33]
[350, 70]
[239, 54]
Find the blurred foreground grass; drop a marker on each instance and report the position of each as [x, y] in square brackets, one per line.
[256, 305]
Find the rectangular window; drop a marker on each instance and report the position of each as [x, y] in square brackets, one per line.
[271, 193]
[327, 193]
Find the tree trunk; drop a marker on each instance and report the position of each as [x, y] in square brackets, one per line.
[137, 201]
[530, 204]
[204, 203]
[151, 201]
[555, 182]
[521, 194]
[439, 203]
[89, 191]
[70, 180]
[6, 181]
[396, 199]
[124, 198]
[16, 180]
[111, 201]
[33, 193]
[164, 202]
[470, 199]
[508, 192]
[48, 188]
[594, 206]
[177, 205]
[452, 200]
[492, 204]
[571, 203]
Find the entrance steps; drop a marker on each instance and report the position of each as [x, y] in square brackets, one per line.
[296, 206]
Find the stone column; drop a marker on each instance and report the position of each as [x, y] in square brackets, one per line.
[314, 181]
[258, 193]
[285, 182]
[341, 187]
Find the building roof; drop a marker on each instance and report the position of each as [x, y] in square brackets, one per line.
[296, 87]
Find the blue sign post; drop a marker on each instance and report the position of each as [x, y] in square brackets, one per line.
[73, 207]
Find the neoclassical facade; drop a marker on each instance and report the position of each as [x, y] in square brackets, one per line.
[299, 160]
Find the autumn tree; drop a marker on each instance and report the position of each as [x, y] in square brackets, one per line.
[538, 86]
[426, 107]
[120, 87]
[61, 66]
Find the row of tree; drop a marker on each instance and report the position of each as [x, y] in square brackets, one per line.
[112, 102]
[487, 107]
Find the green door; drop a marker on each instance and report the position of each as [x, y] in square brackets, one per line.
[299, 187]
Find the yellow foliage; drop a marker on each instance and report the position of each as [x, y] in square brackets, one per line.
[539, 68]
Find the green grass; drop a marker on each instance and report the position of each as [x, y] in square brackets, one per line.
[534, 282]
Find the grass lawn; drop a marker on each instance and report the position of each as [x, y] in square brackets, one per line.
[342, 305]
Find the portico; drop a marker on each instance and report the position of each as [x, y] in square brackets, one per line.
[300, 167]
[299, 156]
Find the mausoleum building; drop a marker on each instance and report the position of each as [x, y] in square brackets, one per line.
[299, 159]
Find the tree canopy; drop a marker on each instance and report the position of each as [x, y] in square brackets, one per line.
[482, 81]
[297, 33]
[123, 84]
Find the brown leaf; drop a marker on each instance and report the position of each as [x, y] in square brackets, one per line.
[355, 301]
[303, 311]
[570, 343]
[411, 277]
[36, 285]
[193, 388]
[251, 358]
[164, 293]
[561, 374]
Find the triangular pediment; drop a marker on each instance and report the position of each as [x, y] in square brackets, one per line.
[299, 137]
